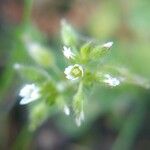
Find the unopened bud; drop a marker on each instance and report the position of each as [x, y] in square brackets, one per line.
[78, 106]
[40, 54]
[68, 34]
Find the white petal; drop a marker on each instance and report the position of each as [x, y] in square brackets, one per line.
[68, 70]
[25, 91]
[112, 81]
[80, 118]
[35, 94]
[30, 93]
[66, 110]
[26, 101]
[108, 44]
[70, 77]
[78, 121]
[82, 115]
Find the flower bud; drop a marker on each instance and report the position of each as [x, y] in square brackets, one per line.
[108, 79]
[40, 54]
[78, 106]
[111, 81]
[68, 34]
[63, 105]
[100, 51]
[85, 51]
[38, 113]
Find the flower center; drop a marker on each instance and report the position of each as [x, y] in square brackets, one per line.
[76, 72]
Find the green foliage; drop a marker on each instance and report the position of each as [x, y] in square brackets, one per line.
[96, 83]
[88, 70]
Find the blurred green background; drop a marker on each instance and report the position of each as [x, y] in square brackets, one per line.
[117, 119]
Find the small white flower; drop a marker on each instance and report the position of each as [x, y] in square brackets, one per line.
[74, 72]
[68, 53]
[66, 110]
[111, 80]
[80, 118]
[29, 93]
[108, 45]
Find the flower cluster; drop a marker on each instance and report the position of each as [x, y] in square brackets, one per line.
[82, 72]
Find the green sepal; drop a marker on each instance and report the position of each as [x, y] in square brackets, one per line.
[49, 92]
[78, 101]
